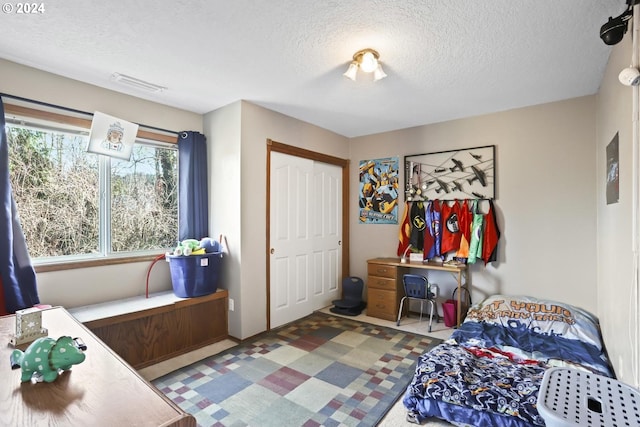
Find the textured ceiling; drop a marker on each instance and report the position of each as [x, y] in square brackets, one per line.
[445, 59]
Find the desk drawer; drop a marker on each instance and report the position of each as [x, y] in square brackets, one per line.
[382, 270]
[381, 283]
[382, 304]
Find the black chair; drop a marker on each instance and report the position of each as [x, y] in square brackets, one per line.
[417, 288]
[351, 303]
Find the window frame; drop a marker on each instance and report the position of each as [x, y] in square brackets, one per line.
[144, 133]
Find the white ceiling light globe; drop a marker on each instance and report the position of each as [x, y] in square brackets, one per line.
[368, 63]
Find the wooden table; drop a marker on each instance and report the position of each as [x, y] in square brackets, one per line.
[101, 391]
[385, 289]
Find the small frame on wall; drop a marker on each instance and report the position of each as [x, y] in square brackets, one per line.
[451, 175]
[613, 171]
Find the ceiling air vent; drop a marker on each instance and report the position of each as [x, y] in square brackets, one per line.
[137, 83]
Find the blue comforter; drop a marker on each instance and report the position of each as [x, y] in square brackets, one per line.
[490, 370]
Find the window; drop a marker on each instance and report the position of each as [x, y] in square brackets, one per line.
[76, 205]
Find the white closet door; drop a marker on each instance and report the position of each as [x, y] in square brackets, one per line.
[305, 230]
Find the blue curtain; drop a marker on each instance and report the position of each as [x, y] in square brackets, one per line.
[16, 271]
[193, 205]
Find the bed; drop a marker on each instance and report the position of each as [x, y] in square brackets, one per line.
[489, 371]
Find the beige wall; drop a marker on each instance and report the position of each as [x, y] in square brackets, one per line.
[77, 287]
[30, 83]
[247, 197]
[550, 190]
[617, 291]
[545, 198]
[222, 128]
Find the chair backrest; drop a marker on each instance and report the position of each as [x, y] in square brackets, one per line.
[415, 286]
[352, 288]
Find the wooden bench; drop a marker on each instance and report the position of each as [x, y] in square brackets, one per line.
[145, 331]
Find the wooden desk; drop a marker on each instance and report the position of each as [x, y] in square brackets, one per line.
[385, 289]
[101, 391]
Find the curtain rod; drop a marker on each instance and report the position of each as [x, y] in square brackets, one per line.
[72, 110]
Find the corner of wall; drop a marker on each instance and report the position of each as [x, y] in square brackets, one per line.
[617, 257]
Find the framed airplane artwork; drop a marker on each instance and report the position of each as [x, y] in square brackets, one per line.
[451, 175]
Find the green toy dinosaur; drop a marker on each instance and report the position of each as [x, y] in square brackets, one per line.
[46, 358]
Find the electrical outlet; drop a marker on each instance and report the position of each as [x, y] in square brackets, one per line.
[231, 305]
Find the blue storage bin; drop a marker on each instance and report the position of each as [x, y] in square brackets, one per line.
[195, 275]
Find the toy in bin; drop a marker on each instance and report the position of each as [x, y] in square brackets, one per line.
[196, 247]
[46, 358]
[195, 267]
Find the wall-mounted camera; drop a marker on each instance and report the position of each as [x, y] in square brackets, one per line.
[614, 29]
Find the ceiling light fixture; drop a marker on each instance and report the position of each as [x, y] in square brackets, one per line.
[137, 83]
[368, 60]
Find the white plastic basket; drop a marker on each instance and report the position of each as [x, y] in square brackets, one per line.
[569, 398]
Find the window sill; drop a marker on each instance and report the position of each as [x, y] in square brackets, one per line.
[70, 265]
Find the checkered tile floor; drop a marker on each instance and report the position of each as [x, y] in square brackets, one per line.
[322, 370]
